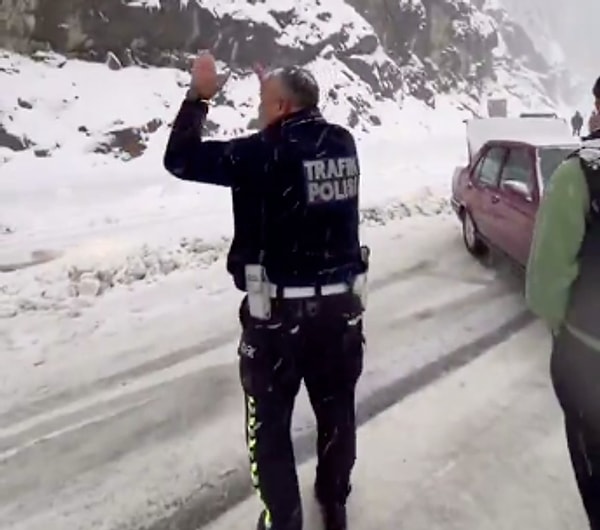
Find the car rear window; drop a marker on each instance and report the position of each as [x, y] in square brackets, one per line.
[550, 159]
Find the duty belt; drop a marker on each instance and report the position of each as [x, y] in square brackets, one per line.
[290, 293]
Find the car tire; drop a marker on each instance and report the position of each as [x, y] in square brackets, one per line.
[471, 238]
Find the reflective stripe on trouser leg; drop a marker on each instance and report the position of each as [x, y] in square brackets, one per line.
[252, 442]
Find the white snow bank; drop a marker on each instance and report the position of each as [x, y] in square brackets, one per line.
[97, 265]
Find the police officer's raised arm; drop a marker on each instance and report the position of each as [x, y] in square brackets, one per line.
[187, 157]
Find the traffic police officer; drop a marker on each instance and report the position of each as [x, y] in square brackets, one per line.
[296, 254]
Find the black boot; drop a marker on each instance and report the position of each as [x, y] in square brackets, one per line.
[334, 516]
[333, 513]
[294, 522]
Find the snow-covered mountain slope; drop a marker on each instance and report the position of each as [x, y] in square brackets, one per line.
[541, 27]
[372, 57]
[565, 34]
[573, 27]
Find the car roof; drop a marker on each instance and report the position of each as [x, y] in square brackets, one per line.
[541, 143]
[536, 132]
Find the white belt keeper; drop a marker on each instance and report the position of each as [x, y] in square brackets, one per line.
[360, 288]
[258, 289]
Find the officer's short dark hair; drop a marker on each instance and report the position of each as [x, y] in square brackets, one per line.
[300, 85]
[596, 89]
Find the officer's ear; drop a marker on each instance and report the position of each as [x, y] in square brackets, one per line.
[285, 106]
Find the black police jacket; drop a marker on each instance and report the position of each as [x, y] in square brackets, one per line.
[294, 189]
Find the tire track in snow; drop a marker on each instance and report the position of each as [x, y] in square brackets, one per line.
[486, 294]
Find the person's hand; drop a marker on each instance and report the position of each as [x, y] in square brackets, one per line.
[205, 81]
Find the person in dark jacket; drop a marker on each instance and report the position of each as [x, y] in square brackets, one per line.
[563, 288]
[577, 123]
[296, 254]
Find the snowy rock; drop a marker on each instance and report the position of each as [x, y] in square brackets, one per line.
[130, 142]
[167, 266]
[196, 245]
[112, 61]
[89, 285]
[11, 141]
[136, 269]
[24, 104]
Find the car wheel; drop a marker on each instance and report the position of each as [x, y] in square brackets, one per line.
[471, 236]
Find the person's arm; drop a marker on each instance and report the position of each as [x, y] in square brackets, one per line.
[559, 230]
[188, 157]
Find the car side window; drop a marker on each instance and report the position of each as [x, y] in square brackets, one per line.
[488, 168]
[477, 167]
[518, 167]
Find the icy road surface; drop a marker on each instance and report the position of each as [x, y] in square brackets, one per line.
[162, 438]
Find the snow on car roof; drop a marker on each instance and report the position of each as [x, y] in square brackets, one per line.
[538, 132]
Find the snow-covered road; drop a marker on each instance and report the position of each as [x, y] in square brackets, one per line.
[135, 439]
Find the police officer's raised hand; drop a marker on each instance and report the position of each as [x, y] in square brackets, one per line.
[205, 81]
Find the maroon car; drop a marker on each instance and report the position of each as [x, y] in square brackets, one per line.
[497, 195]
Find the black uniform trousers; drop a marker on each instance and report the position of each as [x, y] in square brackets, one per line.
[318, 341]
[575, 370]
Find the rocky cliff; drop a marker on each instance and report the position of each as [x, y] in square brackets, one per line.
[431, 45]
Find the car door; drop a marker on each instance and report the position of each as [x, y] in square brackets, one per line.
[484, 191]
[516, 207]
